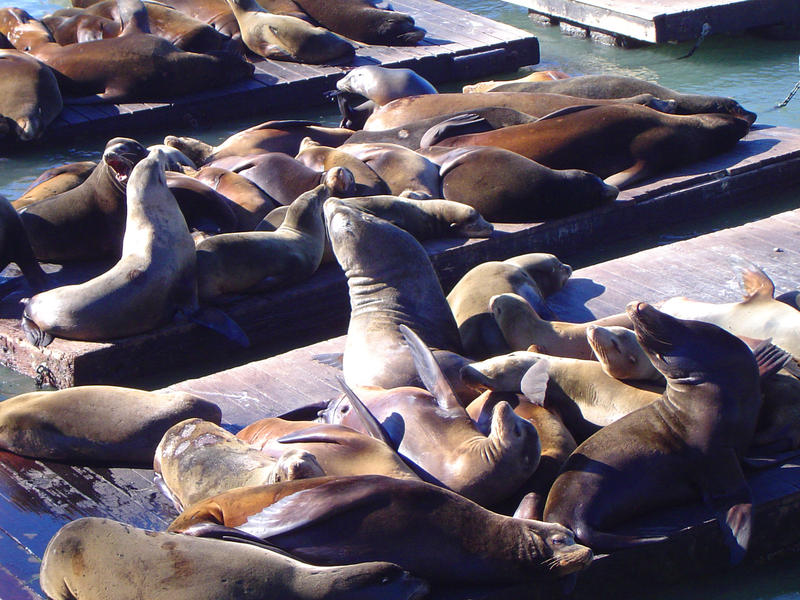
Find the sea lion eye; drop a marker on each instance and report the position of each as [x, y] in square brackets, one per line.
[559, 540]
[385, 581]
[345, 409]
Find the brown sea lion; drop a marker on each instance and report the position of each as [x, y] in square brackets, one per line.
[619, 86]
[404, 110]
[250, 203]
[270, 136]
[682, 448]
[29, 95]
[284, 37]
[322, 158]
[216, 13]
[203, 208]
[620, 354]
[88, 221]
[433, 532]
[235, 262]
[506, 187]
[759, 315]
[637, 142]
[405, 172]
[96, 424]
[55, 181]
[361, 20]
[105, 560]
[15, 247]
[135, 66]
[75, 25]
[340, 450]
[533, 276]
[391, 282]
[153, 280]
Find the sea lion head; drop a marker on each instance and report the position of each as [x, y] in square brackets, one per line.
[468, 222]
[340, 182]
[400, 29]
[619, 352]
[21, 29]
[549, 273]
[557, 550]
[377, 580]
[120, 156]
[516, 436]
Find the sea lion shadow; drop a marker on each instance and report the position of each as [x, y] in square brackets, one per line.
[569, 303]
[437, 41]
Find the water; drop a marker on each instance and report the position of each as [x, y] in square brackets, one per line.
[757, 72]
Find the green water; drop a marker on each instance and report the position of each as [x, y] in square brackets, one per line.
[757, 72]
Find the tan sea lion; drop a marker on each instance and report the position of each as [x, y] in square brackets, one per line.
[270, 136]
[135, 66]
[404, 171]
[388, 287]
[235, 262]
[153, 280]
[105, 560]
[197, 459]
[637, 142]
[322, 158]
[29, 95]
[96, 424]
[404, 110]
[381, 85]
[216, 13]
[683, 447]
[340, 450]
[618, 86]
[250, 203]
[506, 187]
[759, 315]
[284, 37]
[533, 276]
[487, 86]
[55, 181]
[620, 354]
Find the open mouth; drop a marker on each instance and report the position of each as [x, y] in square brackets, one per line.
[121, 157]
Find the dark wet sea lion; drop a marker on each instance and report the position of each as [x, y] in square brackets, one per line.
[623, 144]
[96, 424]
[507, 187]
[55, 181]
[681, 448]
[88, 221]
[433, 532]
[618, 86]
[361, 20]
[105, 560]
[29, 95]
[15, 247]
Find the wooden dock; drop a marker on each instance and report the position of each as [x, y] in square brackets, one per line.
[458, 45]
[767, 160]
[37, 498]
[664, 21]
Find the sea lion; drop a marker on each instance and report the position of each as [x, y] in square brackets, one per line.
[683, 447]
[404, 110]
[637, 142]
[15, 247]
[339, 450]
[75, 25]
[620, 354]
[177, 161]
[88, 221]
[96, 424]
[778, 428]
[153, 280]
[250, 203]
[203, 208]
[619, 86]
[487, 86]
[361, 20]
[106, 560]
[391, 281]
[435, 435]
[270, 136]
[533, 276]
[197, 459]
[404, 172]
[506, 187]
[29, 95]
[55, 181]
[524, 329]
[433, 532]
[381, 85]
[284, 37]
[579, 391]
[759, 315]
[216, 13]
[135, 66]
[235, 262]
[322, 158]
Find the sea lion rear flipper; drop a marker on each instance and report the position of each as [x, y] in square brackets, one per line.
[534, 382]
[214, 318]
[629, 176]
[770, 358]
[756, 283]
[371, 424]
[459, 125]
[725, 490]
[334, 359]
[430, 373]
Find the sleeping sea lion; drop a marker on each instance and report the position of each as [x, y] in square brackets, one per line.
[620, 354]
[322, 158]
[29, 95]
[250, 203]
[404, 172]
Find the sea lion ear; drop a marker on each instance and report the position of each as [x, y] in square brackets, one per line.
[429, 372]
[756, 283]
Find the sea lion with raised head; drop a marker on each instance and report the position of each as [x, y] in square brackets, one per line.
[29, 95]
[681, 448]
[96, 424]
[105, 560]
[432, 532]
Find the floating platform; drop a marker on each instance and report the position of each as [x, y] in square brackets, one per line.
[37, 498]
[664, 21]
[458, 45]
[765, 161]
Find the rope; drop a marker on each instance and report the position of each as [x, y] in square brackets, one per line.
[704, 31]
[44, 375]
[789, 97]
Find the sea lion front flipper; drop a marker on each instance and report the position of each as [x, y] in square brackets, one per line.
[531, 507]
[430, 373]
[371, 424]
[567, 110]
[333, 359]
[756, 283]
[230, 534]
[725, 490]
[629, 176]
[219, 321]
[460, 125]
[534, 382]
